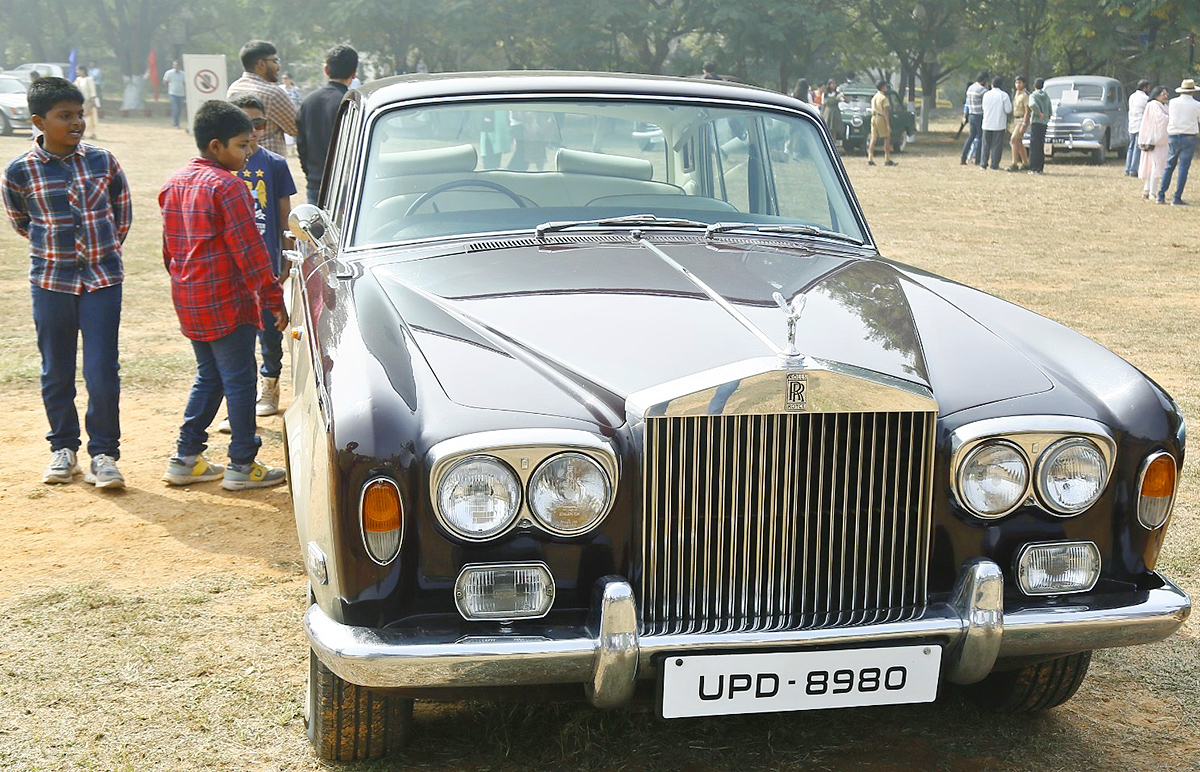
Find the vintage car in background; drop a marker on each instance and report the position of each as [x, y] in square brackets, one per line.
[43, 69]
[661, 424]
[14, 107]
[856, 118]
[1091, 115]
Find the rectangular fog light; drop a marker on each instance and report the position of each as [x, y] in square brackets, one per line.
[1057, 568]
[504, 591]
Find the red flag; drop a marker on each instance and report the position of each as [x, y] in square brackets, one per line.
[152, 68]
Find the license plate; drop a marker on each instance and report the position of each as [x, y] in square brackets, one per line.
[731, 684]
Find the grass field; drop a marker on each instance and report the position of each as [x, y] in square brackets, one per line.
[159, 629]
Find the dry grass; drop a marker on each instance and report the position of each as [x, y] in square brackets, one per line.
[160, 630]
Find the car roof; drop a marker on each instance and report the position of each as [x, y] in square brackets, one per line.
[537, 83]
[1092, 79]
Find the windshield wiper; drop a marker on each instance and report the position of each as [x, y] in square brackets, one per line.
[634, 220]
[796, 230]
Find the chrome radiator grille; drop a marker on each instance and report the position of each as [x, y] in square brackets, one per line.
[789, 521]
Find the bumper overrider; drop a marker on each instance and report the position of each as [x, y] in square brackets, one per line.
[608, 656]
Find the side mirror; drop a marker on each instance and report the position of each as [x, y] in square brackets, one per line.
[310, 224]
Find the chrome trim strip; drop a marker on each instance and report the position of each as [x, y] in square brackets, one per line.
[362, 527]
[979, 600]
[712, 294]
[423, 658]
[1142, 479]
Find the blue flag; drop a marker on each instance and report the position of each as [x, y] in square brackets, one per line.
[74, 60]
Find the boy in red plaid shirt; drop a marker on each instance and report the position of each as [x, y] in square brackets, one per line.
[221, 284]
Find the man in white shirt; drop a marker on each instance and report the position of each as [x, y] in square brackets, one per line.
[1137, 108]
[176, 83]
[997, 106]
[1183, 124]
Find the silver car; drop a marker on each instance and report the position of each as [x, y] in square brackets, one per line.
[14, 109]
[1090, 115]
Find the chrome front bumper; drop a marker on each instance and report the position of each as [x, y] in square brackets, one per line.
[608, 656]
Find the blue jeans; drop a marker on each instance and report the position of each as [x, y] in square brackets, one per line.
[1180, 149]
[224, 368]
[975, 134]
[1133, 154]
[177, 109]
[59, 319]
[270, 347]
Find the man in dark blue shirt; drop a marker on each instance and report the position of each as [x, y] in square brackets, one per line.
[314, 124]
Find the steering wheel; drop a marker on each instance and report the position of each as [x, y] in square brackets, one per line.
[455, 184]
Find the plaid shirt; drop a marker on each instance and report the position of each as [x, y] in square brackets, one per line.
[220, 270]
[281, 113]
[75, 211]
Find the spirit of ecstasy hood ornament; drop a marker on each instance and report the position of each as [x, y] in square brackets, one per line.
[793, 311]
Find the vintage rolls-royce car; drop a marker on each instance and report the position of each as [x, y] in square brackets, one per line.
[1090, 116]
[656, 423]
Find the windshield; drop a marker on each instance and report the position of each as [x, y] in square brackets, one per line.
[505, 166]
[1075, 92]
[11, 86]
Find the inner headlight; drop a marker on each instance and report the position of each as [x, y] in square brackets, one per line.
[1071, 475]
[856, 121]
[994, 479]
[1089, 124]
[479, 497]
[569, 493]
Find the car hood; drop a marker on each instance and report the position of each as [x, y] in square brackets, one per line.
[532, 327]
[1062, 110]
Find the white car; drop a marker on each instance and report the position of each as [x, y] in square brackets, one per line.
[14, 109]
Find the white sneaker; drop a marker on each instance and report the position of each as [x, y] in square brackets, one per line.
[62, 468]
[103, 472]
[268, 397]
[224, 427]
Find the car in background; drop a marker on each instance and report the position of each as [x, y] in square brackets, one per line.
[14, 109]
[662, 421]
[856, 118]
[43, 69]
[1090, 116]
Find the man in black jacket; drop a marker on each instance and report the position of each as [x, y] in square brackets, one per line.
[314, 124]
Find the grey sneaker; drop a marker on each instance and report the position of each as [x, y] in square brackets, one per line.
[62, 468]
[268, 397]
[239, 477]
[184, 471]
[103, 472]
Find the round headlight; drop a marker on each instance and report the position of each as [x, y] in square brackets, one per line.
[1089, 124]
[479, 497]
[1071, 475]
[856, 121]
[994, 479]
[569, 493]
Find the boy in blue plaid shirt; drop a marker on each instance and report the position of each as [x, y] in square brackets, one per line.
[71, 200]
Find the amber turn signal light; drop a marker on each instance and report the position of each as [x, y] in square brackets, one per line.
[382, 519]
[1157, 490]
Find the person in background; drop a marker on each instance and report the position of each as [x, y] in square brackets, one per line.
[881, 125]
[93, 70]
[709, 71]
[1183, 124]
[1137, 107]
[293, 92]
[221, 287]
[1020, 103]
[260, 61]
[1040, 110]
[801, 92]
[91, 101]
[997, 107]
[314, 122]
[831, 110]
[176, 83]
[973, 107]
[75, 234]
[1152, 140]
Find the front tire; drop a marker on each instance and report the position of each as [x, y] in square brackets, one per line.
[6, 128]
[1100, 155]
[346, 722]
[1035, 688]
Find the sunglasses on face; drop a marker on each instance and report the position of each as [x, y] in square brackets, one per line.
[259, 123]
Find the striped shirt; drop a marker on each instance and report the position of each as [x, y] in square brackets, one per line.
[75, 211]
[974, 101]
[281, 113]
[220, 269]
